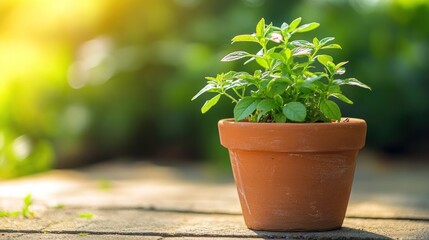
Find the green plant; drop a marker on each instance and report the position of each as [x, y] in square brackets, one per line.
[86, 215]
[288, 85]
[25, 211]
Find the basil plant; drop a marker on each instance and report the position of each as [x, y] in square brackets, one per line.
[294, 80]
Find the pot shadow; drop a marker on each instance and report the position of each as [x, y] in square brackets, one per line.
[341, 233]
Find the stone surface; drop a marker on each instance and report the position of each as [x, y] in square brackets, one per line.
[138, 199]
[79, 236]
[172, 224]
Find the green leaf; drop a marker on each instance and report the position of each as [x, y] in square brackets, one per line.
[351, 81]
[276, 86]
[342, 98]
[237, 84]
[340, 71]
[262, 62]
[310, 82]
[210, 103]
[278, 56]
[284, 26]
[299, 51]
[302, 43]
[26, 208]
[278, 100]
[280, 118]
[294, 24]
[245, 107]
[9, 214]
[334, 46]
[235, 56]
[307, 27]
[86, 215]
[245, 38]
[331, 67]
[287, 53]
[276, 37]
[313, 78]
[263, 83]
[295, 111]
[257, 74]
[324, 59]
[341, 64]
[208, 87]
[315, 42]
[334, 89]
[330, 109]
[266, 105]
[248, 60]
[260, 28]
[212, 78]
[326, 40]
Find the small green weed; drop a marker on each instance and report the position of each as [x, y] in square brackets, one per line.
[25, 211]
[86, 215]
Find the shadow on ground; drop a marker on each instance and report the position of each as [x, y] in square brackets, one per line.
[342, 233]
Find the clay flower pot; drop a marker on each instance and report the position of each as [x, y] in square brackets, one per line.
[293, 176]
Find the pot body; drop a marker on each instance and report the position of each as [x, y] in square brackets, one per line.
[293, 176]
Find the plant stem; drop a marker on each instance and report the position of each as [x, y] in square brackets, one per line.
[238, 94]
[229, 96]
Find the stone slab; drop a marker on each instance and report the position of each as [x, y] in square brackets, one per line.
[130, 199]
[83, 236]
[175, 224]
[380, 190]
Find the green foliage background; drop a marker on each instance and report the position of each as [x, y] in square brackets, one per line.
[82, 81]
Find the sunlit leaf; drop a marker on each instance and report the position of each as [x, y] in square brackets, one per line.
[210, 103]
[340, 64]
[301, 43]
[294, 24]
[326, 40]
[284, 26]
[340, 71]
[334, 46]
[262, 62]
[208, 87]
[324, 59]
[315, 42]
[260, 28]
[235, 56]
[307, 27]
[299, 51]
[351, 81]
[245, 38]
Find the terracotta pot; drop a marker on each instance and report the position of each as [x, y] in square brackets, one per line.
[293, 176]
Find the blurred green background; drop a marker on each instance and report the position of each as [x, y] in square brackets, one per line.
[89, 80]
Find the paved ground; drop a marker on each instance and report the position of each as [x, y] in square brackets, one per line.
[141, 200]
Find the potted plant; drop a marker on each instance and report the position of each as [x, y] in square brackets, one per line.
[293, 156]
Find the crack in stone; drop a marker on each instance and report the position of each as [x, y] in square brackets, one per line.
[155, 234]
[171, 210]
[162, 235]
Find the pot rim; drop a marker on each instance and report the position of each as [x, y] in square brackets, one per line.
[350, 121]
[293, 137]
